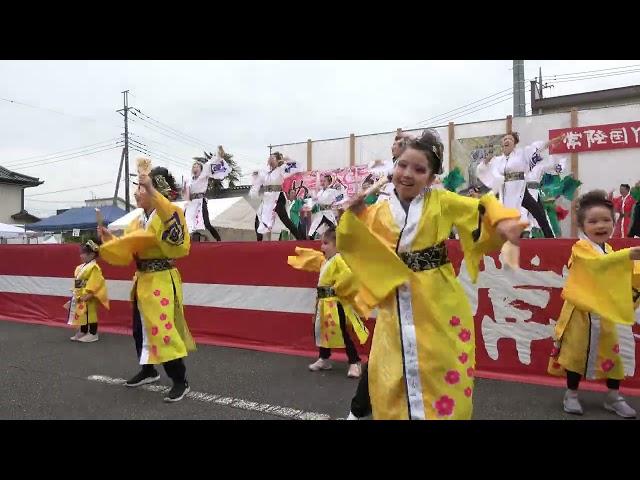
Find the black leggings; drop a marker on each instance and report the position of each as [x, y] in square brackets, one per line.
[573, 381]
[281, 211]
[207, 223]
[537, 210]
[91, 328]
[352, 353]
[176, 370]
[361, 402]
[324, 221]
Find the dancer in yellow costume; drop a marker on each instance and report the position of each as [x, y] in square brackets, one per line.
[90, 290]
[337, 290]
[601, 292]
[422, 358]
[160, 330]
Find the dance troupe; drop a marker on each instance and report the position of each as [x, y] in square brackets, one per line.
[383, 249]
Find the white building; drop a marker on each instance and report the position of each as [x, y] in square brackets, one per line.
[12, 187]
[105, 202]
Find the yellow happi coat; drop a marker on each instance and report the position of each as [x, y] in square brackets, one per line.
[87, 279]
[158, 294]
[422, 359]
[334, 273]
[599, 294]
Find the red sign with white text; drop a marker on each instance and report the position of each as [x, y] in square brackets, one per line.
[597, 137]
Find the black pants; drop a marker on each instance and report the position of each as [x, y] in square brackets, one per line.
[207, 223]
[537, 210]
[634, 230]
[281, 211]
[91, 328]
[324, 221]
[573, 381]
[175, 369]
[361, 402]
[352, 353]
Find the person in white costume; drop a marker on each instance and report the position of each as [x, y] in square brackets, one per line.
[268, 183]
[196, 212]
[506, 176]
[322, 206]
[549, 165]
[380, 168]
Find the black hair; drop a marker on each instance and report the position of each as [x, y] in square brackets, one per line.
[330, 234]
[87, 248]
[594, 198]
[429, 143]
[626, 185]
[163, 172]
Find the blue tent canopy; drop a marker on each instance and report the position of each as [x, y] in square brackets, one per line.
[81, 218]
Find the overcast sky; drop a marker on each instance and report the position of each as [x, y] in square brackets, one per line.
[243, 105]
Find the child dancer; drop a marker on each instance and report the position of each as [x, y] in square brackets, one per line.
[598, 295]
[90, 289]
[337, 290]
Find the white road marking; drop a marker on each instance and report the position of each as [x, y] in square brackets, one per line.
[285, 412]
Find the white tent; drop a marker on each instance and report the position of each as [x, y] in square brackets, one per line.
[12, 231]
[233, 217]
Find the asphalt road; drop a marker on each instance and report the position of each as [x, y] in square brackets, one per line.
[46, 376]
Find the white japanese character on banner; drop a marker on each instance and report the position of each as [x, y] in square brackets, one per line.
[572, 141]
[597, 137]
[618, 135]
[513, 322]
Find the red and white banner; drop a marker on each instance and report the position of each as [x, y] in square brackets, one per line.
[245, 295]
[597, 137]
[350, 178]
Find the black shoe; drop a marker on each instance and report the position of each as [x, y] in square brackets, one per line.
[177, 392]
[143, 377]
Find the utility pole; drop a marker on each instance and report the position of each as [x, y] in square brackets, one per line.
[126, 149]
[115, 195]
[519, 105]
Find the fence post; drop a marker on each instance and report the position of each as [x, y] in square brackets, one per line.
[309, 154]
[452, 163]
[352, 150]
[576, 174]
[509, 124]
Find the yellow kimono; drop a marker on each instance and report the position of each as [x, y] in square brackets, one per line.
[336, 285]
[156, 294]
[422, 359]
[599, 294]
[87, 279]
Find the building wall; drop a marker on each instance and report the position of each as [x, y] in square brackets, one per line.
[10, 202]
[597, 170]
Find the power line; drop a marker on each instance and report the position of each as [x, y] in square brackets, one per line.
[55, 201]
[64, 159]
[176, 159]
[15, 163]
[144, 151]
[589, 77]
[68, 189]
[463, 106]
[43, 157]
[474, 108]
[167, 127]
[151, 127]
[77, 117]
[156, 151]
[594, 71]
